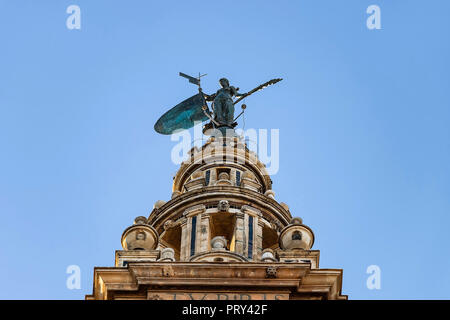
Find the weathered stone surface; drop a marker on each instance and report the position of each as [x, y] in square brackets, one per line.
[295, 280]
[221, 236]
[224, 295]
[140, 237]
[296, 236]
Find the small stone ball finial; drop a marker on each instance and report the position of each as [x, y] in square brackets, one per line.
[219, 243]
[158, 204]
[268, 255]
[167, 254]
[140, 220]
[297, 221]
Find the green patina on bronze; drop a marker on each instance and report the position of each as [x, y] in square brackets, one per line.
[195, 109]
[182, 116]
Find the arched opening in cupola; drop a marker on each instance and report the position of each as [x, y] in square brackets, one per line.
[171, 238]
[223, 224]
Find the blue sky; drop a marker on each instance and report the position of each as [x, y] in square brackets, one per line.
[363, 118]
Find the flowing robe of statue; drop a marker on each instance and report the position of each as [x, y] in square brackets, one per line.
[223, 105]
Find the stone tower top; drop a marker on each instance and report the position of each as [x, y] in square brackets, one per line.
[222, 233]
[220, 156]
[223, 199]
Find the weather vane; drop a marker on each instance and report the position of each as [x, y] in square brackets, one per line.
[195, 109]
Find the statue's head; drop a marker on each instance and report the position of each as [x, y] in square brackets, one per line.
[224, 82]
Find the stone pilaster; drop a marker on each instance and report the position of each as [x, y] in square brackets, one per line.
[203, 233]
[245, 235]
[256, 232]
[192, 214]
[185, 236]
[258, 237]
[239, 234]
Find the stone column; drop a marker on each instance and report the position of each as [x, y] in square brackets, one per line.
[189, 245]
[245, 233]
[184, 250]
[239, 230]
[258, 237]
[252, 220]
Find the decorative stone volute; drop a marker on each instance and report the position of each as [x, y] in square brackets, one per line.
[270, 194]
[296, 236]
[140, 236]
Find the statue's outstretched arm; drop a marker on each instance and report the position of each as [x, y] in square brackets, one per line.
[236, 93]
[209, 97]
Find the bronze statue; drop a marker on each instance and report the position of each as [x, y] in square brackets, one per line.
[195, 109]
[223, 104]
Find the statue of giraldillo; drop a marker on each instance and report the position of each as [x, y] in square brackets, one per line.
[223, 104]
[195, 109]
